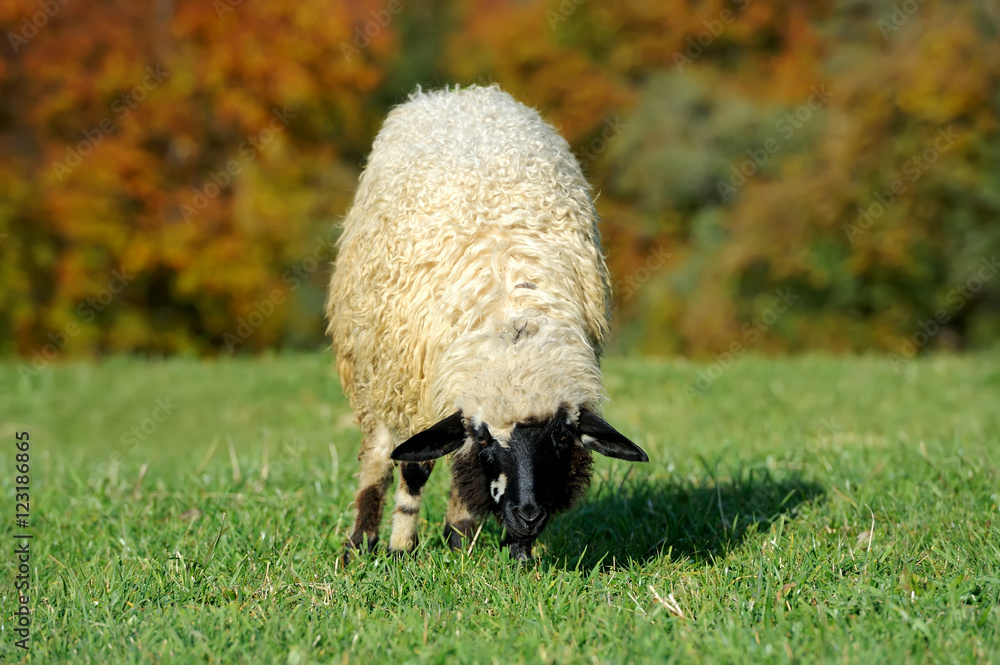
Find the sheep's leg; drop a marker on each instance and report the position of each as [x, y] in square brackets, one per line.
[412, 478]
[459, 525]
[374, 479]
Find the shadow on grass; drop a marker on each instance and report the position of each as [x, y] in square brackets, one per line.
[684, 518]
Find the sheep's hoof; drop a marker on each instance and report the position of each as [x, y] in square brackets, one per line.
[400, 552]
[357, 544]
[520, 550]
[459, 534]
[398, 555]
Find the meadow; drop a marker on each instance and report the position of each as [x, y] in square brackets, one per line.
[804, 509]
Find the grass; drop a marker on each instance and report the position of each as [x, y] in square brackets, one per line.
[810, 509]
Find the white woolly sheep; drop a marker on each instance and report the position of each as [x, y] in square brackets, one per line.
[469, 308]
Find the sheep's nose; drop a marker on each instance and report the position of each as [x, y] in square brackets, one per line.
[529, 512]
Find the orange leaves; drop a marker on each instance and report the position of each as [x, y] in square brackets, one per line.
[209, 147]
[943, 71]
[183, 147]
[518, 47]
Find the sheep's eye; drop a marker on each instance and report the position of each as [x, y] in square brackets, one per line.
[483, 442]
[563, 439]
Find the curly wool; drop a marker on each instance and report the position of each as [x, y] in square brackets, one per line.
[469, 273]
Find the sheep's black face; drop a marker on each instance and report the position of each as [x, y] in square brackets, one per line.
[530, 473]
[524, 476]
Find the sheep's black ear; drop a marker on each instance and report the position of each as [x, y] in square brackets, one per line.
[597, 435]
[438, 440]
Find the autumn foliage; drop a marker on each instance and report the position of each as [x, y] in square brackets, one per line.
[171, 173]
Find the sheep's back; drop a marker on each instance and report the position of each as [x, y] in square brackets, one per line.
[467, 201]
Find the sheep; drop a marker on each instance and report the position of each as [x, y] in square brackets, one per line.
[468, 309]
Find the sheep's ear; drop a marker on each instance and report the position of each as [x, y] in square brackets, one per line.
[597, 435]
[438, 440]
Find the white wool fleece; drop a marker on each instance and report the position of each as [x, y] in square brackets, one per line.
[469, 274]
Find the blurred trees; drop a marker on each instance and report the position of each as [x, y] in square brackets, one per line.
[171, 173]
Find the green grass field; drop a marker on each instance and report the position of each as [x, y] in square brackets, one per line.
[809, 509]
